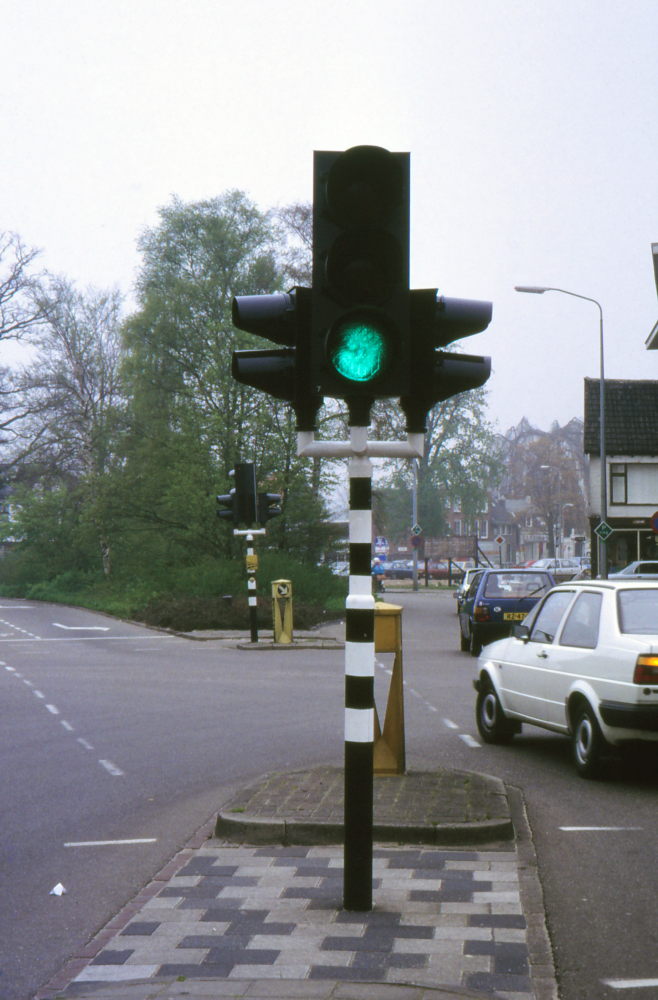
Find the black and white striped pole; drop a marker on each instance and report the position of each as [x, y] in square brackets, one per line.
[252, 566]
[359, 650]
[359, 693]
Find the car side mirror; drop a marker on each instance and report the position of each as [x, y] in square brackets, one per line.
[521, 632]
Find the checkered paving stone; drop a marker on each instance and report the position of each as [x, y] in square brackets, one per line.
[439, 918]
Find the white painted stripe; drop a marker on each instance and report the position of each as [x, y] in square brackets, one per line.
[360, 659]
[112, 768]
[110, 843]
[468, 740]
[11, 669]
[359, 725]
[96, 638]
[251, 583]
[360, 586]
[576, 829]
[67, 725]
[431, 707]
[86, 744]
[629, 984]
[360, 527]
[450, 724]
[83, 628]
[115, 973]
[38, 694]
[52, 709]
[29, 683]
[253, 602]
[359, 602]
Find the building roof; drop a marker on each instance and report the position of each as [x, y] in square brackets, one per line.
[631, 417]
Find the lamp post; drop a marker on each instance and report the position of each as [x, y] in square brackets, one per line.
[537, 290]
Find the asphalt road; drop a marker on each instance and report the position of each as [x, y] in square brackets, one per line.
[114, 732]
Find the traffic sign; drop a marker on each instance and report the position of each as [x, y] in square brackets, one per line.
[499, 540]
[416, 530]
[603, 530]
[654, 523]
[416, 542]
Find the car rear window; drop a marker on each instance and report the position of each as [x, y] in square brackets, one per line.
[637, 611]
[647, 568]
[516, 585]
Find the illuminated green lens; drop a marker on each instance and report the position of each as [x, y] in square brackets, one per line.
[359, 351]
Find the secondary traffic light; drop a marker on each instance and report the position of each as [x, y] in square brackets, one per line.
[241, 501]
[360, 301]
[268, 507]
[285, 318]
[437, 375]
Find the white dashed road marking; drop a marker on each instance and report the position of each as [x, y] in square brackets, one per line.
[609, 829]
[86, 744]
[52, 709]
[38, 694]
[83, 628]
[450, 724]
[111, 843]
[67, 725]
[468, 740]
[629, 984]
[112, 768]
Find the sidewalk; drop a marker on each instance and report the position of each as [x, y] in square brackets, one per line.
[256, 911]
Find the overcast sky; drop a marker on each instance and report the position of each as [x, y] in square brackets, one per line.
[532, 127]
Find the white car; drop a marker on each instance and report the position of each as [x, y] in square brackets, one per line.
[583, 663]
[560, 569]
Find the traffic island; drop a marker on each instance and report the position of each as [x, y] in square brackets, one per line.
[440, 807]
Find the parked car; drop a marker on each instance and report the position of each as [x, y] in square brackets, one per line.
[495, 601]
[399, 569]
[583, 663]
[638, 570]
[462, 589]
[560, 569]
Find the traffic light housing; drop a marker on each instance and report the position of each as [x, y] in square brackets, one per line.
[436, 375]
[228, 500]
[359, 343]
[284, 318]
[268, 507]
[240, 503]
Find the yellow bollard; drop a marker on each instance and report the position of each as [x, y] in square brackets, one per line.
[282, 610]
[389, 751]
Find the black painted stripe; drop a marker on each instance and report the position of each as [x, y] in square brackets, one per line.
[359, 692]
[361, 493]
[359, 625]
[360, 558]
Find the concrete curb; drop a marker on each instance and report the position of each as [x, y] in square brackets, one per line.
[251, 830]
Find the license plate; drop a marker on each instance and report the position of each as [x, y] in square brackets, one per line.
[514, 616]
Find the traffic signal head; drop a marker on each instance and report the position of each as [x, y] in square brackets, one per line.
[268, 507]
[359, 343]
[228, 500]
[283, 317]
[437, 375]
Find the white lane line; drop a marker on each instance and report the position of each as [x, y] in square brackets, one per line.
[38, 694]
[87, 745]
[67, 725]
[83, 628]
[52, 709]
[629, 984]
[96, 638]
[450, 724]
[110, 843]
[576, 829]
[468, 740]
[17, 607]
[29, 683]
[11, 669]
[112, 768]
[431, 707]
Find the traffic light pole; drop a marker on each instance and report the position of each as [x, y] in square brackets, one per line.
[359, 652]
[251, 580]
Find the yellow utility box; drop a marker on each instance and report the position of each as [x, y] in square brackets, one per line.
[389, 751]
[282, 610]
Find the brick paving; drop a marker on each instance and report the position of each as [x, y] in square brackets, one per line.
[237, 913]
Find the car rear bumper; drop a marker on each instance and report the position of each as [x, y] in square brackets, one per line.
[621, 715]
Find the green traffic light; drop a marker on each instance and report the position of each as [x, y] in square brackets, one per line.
[359, 351]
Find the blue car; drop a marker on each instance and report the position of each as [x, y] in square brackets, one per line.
[496, 600]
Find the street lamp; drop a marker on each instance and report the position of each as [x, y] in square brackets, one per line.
[536, 290]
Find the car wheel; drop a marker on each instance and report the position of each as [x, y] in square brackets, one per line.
[464, 643]
[588, 743]
[476, 642]
[493, 725]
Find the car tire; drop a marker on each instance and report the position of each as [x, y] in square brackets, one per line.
[476, 642]
[464, 642]
[493, 725]
[588, 743]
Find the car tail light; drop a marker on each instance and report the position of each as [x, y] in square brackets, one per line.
[481, 614]
[646, 670]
